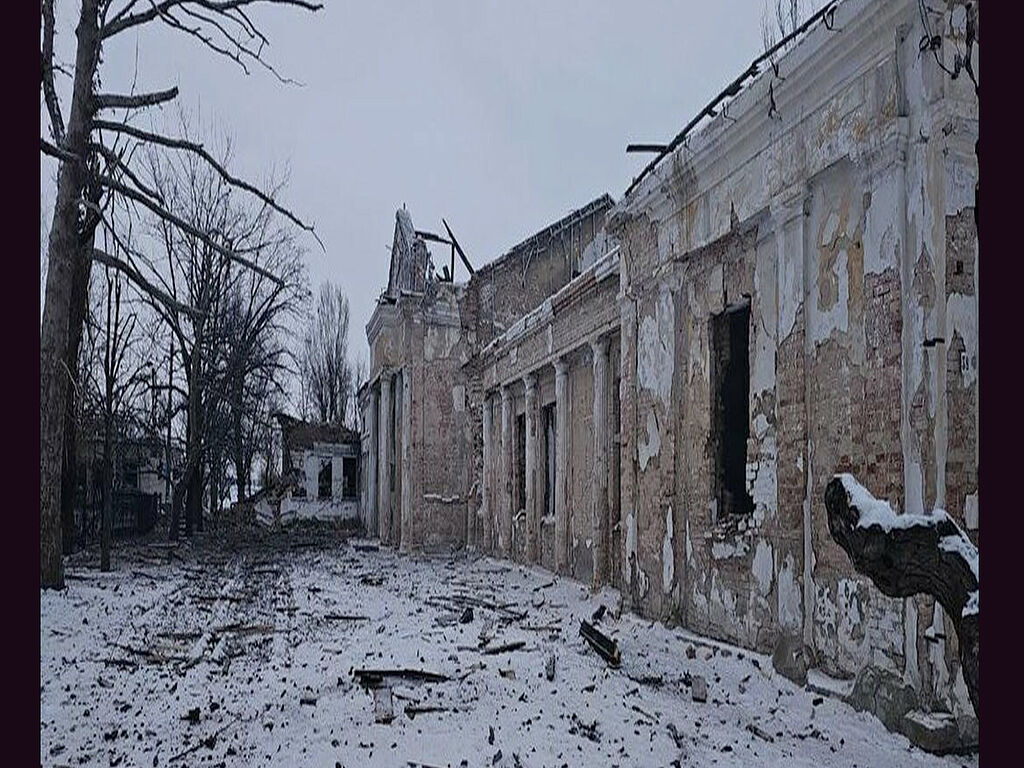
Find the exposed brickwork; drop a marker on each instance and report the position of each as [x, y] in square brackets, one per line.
[961, 382]
[828, 232]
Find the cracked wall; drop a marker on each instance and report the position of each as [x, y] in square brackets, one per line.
[852, 234]
[845, 220]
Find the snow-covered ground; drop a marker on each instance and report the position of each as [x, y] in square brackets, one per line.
[246, 657]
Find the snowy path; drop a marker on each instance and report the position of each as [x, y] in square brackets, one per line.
[245, 659]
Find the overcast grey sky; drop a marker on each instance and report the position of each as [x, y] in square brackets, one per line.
[501, 117]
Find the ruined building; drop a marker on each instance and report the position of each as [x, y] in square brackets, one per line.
[318, 475]
[653, 393]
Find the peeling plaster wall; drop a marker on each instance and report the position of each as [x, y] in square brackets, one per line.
[851, 232]
[520, 280]
[433, 332]
[846, 221]
[581, 462]
[440, 456]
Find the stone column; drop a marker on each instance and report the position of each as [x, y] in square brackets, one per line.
[561, 466]
[372, 510]
[532, 523]
[405, 533]
[384, 436]
[486, 513]
[505, 526]
[599, 528]
[795, 345]
[628, 445]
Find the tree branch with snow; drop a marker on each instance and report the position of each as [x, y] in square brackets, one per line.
[905, 555]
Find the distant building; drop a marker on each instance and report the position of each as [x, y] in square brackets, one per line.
[319, 473]
[139, 485]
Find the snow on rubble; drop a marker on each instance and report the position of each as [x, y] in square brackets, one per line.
[348, 655]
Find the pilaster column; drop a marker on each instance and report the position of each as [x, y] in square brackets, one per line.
[372, 510]
[384, 427]
[532, 524]
[561, 465]
[600, 484]
[788, 210]
[505, 526]
[405, 533]
[486, 513]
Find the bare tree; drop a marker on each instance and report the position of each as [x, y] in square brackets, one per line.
[117, 374]
[256, 353]
[96, 163]
[228, 321]
[326, 375]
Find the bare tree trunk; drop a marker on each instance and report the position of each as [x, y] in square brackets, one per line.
[196, 492]
[69, 478]
[69, 466]
[176, 508]
[193, 489]
[107, 520]
[214, 492]
[238, 446]
[53, 334]
[905, 555]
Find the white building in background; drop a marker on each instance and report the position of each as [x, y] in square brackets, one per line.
[319, 474]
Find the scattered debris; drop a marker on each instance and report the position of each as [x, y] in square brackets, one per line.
[587, 730]
[505, 648]
[699, 689]
[636, 708]
[677, 737]
[375, 678]
[409, 667]
[411, 710]
[604, 645]
[383, 705]
[239, 628]
[209, 742]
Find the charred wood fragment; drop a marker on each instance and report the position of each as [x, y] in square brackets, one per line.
[374, 678]
[600, 642]
[504, 648]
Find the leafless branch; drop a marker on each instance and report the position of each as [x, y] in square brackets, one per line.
[115, 160]
[49, 92]
[136, 277]
[61, 154]
[121, 101]
[198, 149]
[163, 213]
[123, 22]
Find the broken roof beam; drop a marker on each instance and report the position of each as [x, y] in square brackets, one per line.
[646, 148]
[826, 13]
[431, 237]
[458, 248]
